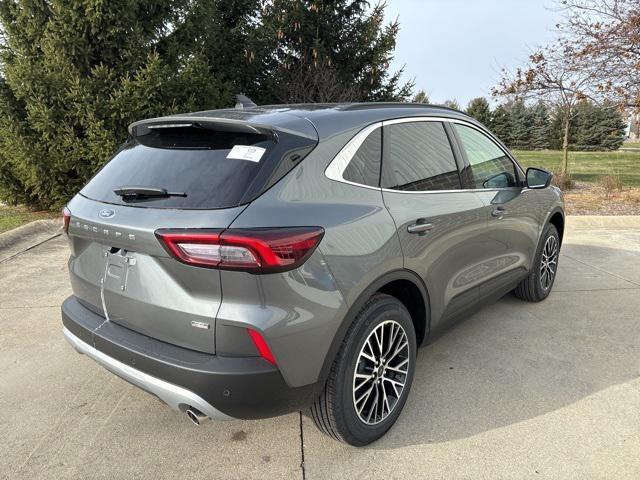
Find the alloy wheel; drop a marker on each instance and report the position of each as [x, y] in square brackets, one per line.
[549, 262]
[381, 372]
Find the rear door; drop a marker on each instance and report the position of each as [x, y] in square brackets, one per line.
[205, 177]
[440, 226]
[513, 218]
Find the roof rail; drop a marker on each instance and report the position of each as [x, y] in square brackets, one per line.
[374, 105]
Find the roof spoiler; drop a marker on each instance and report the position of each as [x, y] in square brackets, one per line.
[220, 124]
[180, 121]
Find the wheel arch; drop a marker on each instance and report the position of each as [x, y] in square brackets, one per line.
[556, 218]
[403, 284]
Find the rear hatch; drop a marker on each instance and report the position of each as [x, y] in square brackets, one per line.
[175, 173]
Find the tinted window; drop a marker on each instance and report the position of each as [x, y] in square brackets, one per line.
[364, 167]
[199, 163]
[418, 157]
[490, 166]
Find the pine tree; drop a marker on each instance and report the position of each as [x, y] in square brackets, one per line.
[598, 127]
[238, 48]
[595, 127]
[614, 128]
[420, 97]
[540, 127]
[75, 74]
[451, 104]
[479, 109]
[500, 124]
[520, 125]
[332, 50]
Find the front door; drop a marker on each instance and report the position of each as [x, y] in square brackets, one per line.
[513, 219]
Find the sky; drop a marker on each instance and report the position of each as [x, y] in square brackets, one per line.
[455, 49]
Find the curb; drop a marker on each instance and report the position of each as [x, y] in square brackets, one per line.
[602, 222]
[27, 236]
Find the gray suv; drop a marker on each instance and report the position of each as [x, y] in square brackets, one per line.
[246, 263]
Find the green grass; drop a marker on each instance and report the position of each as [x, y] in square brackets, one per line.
[587, 166]
[12, 217]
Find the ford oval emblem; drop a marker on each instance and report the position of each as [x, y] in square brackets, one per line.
[106, 213]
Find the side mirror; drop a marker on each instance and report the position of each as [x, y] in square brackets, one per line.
[538, 178]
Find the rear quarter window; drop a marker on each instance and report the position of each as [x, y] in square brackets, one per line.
[198, 162]
[364, 167]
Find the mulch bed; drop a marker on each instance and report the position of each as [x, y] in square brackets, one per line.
[592, 199]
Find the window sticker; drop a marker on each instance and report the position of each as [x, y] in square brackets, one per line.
[245, 152]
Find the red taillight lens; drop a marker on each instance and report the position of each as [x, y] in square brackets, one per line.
[261, 345]
[66, 219]
[192, 247]
[260, 250]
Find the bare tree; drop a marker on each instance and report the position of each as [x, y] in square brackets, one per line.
[555, 76]
[316, 83]
[605, 35]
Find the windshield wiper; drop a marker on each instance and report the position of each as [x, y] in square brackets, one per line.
[134, 192]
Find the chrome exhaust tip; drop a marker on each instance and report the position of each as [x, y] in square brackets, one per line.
[196, 416]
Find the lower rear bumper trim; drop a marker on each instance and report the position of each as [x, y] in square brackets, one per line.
[178, 398]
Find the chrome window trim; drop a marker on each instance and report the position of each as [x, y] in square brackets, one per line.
[338, 165]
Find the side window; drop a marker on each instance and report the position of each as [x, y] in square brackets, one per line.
[418, 157]
[364, 167]
[490, 166]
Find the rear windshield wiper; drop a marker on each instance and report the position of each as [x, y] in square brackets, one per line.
[134, 192]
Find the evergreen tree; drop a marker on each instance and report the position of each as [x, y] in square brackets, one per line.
[521, 122]
[594, 128]
[613, 128]
[75, 74]
[557, 130]
[420, 97]
[500, 124]
[336, 45]
[597, 127]
[451, 104]
[230, 34]
[479, 109]
[540, 127]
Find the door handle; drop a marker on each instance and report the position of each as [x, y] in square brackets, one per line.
[420, 227]
[498, 212]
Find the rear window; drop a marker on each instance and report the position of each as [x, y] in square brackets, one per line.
[418, 157]
[212, 169]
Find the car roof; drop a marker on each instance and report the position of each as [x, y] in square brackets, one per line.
[326, 118]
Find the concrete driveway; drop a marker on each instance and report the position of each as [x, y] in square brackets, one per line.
[549, 390]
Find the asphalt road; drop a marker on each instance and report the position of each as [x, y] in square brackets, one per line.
[549, 390]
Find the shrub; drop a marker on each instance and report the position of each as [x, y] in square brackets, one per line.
[563, 181]
[611, 183]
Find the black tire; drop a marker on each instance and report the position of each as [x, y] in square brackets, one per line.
[334, 412]
[536, 287]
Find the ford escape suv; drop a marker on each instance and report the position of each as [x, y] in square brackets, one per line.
[246, 263]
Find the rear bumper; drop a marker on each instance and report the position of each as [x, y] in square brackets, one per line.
[220, 387]
[176, 397]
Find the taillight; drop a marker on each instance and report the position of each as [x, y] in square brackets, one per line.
[260, 250]
[66, 219]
